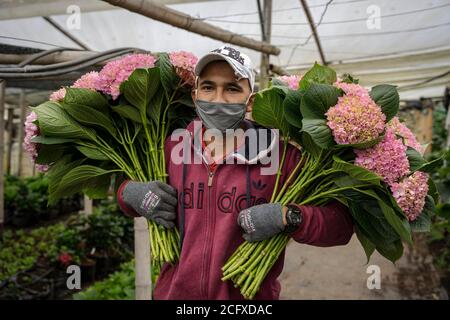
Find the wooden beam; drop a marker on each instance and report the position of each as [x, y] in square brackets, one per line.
[2, 150]
[9, 143]
[20, 135]
[313, 30]
[278, 70]
[265, 15]
[38, 8]
[181, 20]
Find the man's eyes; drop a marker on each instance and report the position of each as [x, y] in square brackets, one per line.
[229, 89]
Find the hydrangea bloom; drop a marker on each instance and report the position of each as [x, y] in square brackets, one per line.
[58, 95]
[352, 89]
[408, 137]
[117, 71]
[355, 118]
[32, 130]
[387, 159]
[410, 194]
[184, 63]
[86, 81]
[291, 81]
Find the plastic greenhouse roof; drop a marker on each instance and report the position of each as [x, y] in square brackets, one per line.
[409, 45]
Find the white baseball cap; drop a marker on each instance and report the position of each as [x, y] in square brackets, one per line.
[240, 62]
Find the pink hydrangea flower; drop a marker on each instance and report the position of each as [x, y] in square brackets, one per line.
[32, 148]
[410, 194]
[58, 95]
[184, 63]
[291, 81]
[387, 159]
[86, 81]
[352, 89]
[117, 71]
[355, 118]
[408, 137]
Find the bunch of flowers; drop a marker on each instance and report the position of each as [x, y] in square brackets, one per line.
[355, 151]
[91, 138]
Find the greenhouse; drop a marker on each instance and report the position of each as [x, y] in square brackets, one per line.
[224, 150]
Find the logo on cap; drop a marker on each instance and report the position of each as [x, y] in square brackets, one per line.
[232, 53]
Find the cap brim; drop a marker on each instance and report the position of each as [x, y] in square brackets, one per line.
[210, 57]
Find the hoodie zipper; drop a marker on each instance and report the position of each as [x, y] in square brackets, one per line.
[210, 221]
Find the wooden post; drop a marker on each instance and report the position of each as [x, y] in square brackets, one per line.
[266, 26]
[20, 135]
[2, 149]
[9, 138]
[88, 206]
[143, 281]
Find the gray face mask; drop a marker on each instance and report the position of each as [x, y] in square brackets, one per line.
[220, 115]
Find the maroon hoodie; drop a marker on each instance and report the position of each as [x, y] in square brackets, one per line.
[207, 218]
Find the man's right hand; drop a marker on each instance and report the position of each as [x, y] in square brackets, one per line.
[154, 200]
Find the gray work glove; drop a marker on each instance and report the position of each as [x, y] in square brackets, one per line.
[261, 222]
[154, 200]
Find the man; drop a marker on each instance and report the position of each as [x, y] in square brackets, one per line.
[221, 202]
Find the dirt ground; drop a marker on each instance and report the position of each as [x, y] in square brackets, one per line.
[341, 273]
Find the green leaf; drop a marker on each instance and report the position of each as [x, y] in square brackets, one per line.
[97, 188]
[415, 159]
[55, 122]
[431, 166]
[90, 117]
[318, 74]
[362, 145]
[291, 105]
[86, 97]
[371, 221]
[392, 251]
[276, 82]
[141, 86]
[80, 178]
[92, 153]
[268, 109]
[50, 140]
[319, 132]
[386, 96]
[317, 100]
[169, 79]
[307, 142]
[155, 108]
[356, 172]
[49, 153]
[348, 78]
[423, 221]
[432, 190]
[128, 112]
[372, 224]
[367, 245]
[400, 225]
[56, 173]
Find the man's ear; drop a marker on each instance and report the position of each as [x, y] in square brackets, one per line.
[251, 100]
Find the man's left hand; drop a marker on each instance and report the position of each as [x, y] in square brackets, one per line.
[262, 221]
